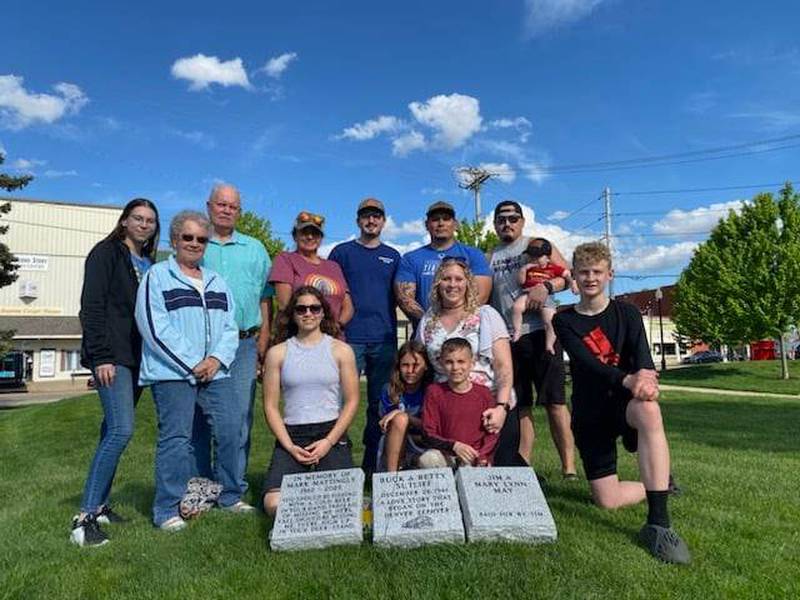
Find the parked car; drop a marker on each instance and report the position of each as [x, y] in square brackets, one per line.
[706, 356]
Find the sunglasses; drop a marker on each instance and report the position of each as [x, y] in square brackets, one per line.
[301, 309]
[188, 237]
[507, 219]
[307, 217]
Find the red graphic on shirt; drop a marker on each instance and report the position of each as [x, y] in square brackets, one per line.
[599, 345]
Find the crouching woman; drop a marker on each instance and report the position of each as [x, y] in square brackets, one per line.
[316, 375]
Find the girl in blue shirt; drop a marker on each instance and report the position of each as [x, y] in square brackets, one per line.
[401, 407]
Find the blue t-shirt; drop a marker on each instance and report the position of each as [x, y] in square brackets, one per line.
[369, 273]
[140, 265]
[419, 266]
[410, 402]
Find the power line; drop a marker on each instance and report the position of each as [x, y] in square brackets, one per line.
[706, 189]
[667, 159]
[579, 209]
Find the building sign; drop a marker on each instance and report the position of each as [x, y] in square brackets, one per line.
[31, 311]
[32, 262]
[47, 363]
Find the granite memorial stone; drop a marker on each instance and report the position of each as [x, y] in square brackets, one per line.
[319, 509]
[413, 508]
[504, 503]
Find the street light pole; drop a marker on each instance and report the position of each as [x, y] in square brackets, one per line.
[659, 297]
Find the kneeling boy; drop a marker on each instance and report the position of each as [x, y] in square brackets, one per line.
[615, 393]
[452, 413]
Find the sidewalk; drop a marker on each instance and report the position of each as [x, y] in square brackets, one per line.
[17, 399]
[720, 392]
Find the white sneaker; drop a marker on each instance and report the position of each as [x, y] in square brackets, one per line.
[173, 524]
[239, 507]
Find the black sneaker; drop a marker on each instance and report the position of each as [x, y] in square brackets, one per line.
[665, 544]
[87, 532]
[106, 516]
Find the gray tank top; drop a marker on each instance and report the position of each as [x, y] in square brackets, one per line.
[310, 383]
[505, 263]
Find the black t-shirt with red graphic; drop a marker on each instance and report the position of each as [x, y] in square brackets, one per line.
[602, 349]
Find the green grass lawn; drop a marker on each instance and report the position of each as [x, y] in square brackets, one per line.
[737, 458]
[748, 376]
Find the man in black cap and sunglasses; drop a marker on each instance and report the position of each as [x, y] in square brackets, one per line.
[533, 364]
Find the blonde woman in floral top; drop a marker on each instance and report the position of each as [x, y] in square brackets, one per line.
[455, 313]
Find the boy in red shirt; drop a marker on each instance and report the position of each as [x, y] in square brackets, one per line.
[452, 413]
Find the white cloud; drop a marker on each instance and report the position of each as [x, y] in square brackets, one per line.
[506, 123]
[392, 230]
[771, 120]
[413, 140]
[654, 259]
[698, 220]
[536, 171]
[559, 215]
[454, 118]
[198, 138]
[542, 16]
[502, 171]
[20, 108]
[202, 71]
[53, 174]
[27, 164]
[371, 128]
[278, 64]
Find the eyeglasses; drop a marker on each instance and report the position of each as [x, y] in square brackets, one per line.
[513, 219]
[301, 309]
[141, 220]
[307, 217]
[188, 237]
[455, 259]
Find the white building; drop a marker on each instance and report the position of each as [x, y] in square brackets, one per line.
[51, 241]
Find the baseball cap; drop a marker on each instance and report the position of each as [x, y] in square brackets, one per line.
[506, 205]
[307, 219]
[440, 206]
[371, 203]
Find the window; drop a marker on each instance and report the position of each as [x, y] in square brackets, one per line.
[70, 360]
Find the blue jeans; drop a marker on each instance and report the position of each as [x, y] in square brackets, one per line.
[375, 361]
[243, 378]
[175, 404]
[119, 401]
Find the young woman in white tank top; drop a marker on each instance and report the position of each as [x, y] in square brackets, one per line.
[317, 376]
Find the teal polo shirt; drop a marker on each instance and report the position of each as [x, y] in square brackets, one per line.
[244, 264]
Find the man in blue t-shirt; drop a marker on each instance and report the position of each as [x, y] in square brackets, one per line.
[369, 267]
[414, 278]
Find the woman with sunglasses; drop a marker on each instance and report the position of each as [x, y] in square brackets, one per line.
[454, 312]
[304, 266]
[316, 376]
[185, 314]
[111, 349]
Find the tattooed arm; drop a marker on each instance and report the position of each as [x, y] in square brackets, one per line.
[405, 292]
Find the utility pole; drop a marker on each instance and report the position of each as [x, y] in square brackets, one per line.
[607, 214]
[472, 178]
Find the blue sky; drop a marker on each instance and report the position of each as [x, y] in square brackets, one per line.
[316, 105]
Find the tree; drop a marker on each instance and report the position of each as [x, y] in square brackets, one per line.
[743, 283]
[475, 233]
[251, 224]
[8, 266]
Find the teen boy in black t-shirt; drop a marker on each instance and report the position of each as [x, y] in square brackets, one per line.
[615, 393]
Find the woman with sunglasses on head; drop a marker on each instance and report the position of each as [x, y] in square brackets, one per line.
[316, 376]
[111, 349]
[185, 314]
[304, 266]
[454, 312]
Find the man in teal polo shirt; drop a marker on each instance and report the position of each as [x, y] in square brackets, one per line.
[244, 264]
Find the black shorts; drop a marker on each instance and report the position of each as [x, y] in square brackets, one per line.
[282, 463]
[596, 434]
[534, 366]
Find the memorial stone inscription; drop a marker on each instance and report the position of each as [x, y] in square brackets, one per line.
[319, 509]
[504, 503]
[412, 508]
